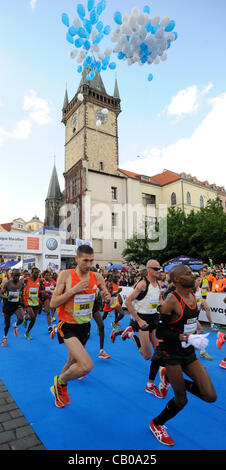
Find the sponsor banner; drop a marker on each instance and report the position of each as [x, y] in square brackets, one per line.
[215, 301]
[51, 251]
[15, 242]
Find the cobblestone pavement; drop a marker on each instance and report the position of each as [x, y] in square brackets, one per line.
[15, 431]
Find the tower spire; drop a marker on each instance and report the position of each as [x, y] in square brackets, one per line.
[116, 90]
[66, 101]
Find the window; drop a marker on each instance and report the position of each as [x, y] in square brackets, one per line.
[73, 188]
[201, 201]
[173, 199]
[114, 219]
[101, 166]
[148, 199]
[115, 245]
[188, 198]
[114, 193]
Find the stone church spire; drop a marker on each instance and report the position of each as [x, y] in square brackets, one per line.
[53, 201]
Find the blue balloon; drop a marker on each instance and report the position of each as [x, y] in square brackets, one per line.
[112, 66]
[104, 67]
[99, 26]
[78, 43]
[175, 35]
[146, 9]
[73, 31]
[65, 19]
[79, 69]
[118, 17]
[87, 45]
[107, 30]
[94, 17]
[88, 26]
[99, 38]
[121, 55]
[69, 38]
[81, 11]
[150, 77]
[82, 33]
[101, 7]
[144, 59]
[148, 26]
[170, 26]
[90, 4]
[90, 75]
[168, 45]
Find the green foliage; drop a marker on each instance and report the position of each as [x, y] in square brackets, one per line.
[200, 234]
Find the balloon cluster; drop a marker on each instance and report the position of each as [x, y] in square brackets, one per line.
[86, 33]
[140, 38]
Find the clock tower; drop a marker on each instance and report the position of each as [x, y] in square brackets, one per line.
[91, 137]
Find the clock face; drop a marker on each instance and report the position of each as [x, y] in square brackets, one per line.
[74, 121]
[101, 117]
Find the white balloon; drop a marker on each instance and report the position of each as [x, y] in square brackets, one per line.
[165, 21]
[108, 51]
[73, 54]
[98, 123]
[125, 18]
[156, 61]
[155, 20]
[135, 11]
[94, 35]
[159, 33]
[141, 19]
[104, 111]
[77, 23]
[164, 57]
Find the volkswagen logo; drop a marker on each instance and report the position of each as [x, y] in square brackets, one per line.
[52, 244]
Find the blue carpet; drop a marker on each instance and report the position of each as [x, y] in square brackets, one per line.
[109, 408]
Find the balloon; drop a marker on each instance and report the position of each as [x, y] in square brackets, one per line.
[65, 19]
[79, 69]
[175, 35]
[155, 20]
[94, 17]
[77, 23]
[104, 111]
[112, 66]
[90, 4]
[150, 77]
[170, 26]
[108, 51]
[146, 9]
[81, 11]
[88, 26]
[73, 31]
[107, 30]
[165, 21]
[78, 43]
[73, 54]
[98, 123]
[99, 26]
[87, 45]
[69, 38]
[82, 33]
[118, 17]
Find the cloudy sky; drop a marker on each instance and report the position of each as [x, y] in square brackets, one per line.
[175, 122]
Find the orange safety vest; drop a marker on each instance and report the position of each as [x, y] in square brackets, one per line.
[78, 309]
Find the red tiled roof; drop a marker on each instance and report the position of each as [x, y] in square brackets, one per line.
[166, 177]
[138, 176]
[7, 226]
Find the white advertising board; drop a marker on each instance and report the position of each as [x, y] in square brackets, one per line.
[215, 301]
[14, 242]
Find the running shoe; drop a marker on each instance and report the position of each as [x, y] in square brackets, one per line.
[113, 336]
[4, 341]
[127, 333]
[161, 434]
[164, 384]
[205, 355]
[151, 388]
[82, 377]
[223, 364]
[220, 339]
[103, 355]
[15, 329]
[214, 327]
[50, 330]
[53, 319]
[28, 336]
[60, 392]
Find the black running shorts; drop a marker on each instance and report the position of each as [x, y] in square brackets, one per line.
[182, 356]
[11, 307]
[151, 320]
[70, 330]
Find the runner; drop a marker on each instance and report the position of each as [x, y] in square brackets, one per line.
[204, 291]
[74, 299]
[46, 290]
[100, 324]
[176, 330]
[31, 300]
[114, 290]
[200, 303]
[11, 292]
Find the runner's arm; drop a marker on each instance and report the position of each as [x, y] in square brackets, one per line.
[102, 286]
[129, 302]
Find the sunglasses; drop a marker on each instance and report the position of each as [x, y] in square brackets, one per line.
[155, 269]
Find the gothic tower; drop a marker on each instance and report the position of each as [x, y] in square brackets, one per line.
[53, 201]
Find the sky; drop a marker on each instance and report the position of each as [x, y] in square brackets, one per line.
[175, 122]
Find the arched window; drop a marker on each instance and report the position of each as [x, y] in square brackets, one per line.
[188, 198]
[201, 201]
[173, 199]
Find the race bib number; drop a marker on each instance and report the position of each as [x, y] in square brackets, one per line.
[47, 289]
[189, 329]
[33, 296]
[153, 305]
[83, 304]
[114, 301]
[15, 296]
